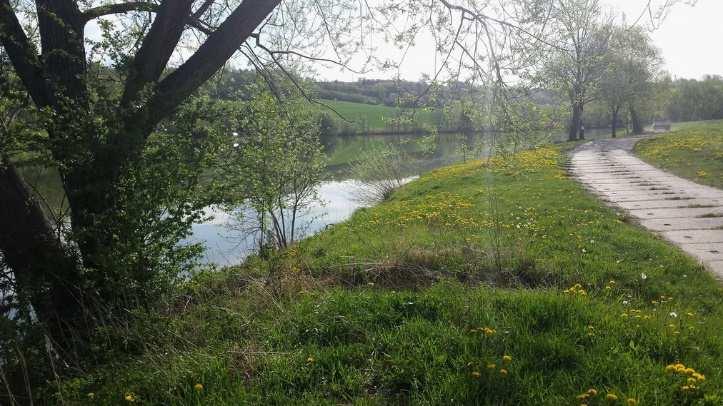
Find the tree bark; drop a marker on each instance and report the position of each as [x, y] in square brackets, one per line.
[91, 165]
[614, 123]
[638, 127]
[575, 122]
[46, 272]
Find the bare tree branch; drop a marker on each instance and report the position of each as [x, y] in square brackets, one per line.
[296, 84]
[211, 55]
[157, 47]
[22, 54]
[118, 8]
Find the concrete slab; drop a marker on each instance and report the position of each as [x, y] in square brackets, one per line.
[694, 236]
[662, 204]
[705, 251]
[642, 197]
[683, 224]
[683, 212]
[677, 213]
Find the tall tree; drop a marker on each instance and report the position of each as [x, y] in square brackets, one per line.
[91, 153]
[577, 60]
[631, 65]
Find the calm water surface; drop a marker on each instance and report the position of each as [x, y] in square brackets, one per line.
[226, 245]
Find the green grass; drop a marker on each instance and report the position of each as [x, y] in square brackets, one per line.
[391, 308]
[377, 117]
[692, 150]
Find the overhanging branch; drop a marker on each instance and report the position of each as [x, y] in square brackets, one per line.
[211, 55]
[22, 55]
[118, 8]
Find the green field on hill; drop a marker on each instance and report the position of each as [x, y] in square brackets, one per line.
[499, 282]
[375, 117]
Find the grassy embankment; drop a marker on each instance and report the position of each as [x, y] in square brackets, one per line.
[481, 283]
[692, 150]
[376, 118]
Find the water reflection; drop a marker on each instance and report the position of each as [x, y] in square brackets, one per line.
[226, 246]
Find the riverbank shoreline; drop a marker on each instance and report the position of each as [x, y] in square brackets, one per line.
[471, 270]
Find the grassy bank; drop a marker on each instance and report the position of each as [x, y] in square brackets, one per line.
[692, 150]
[500, 283]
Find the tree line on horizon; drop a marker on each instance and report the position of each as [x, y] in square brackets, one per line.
[675, 99]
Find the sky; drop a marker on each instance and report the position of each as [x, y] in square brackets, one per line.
[688, 37]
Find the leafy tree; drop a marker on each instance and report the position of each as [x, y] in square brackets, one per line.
[577, 61]
[692, 99]
[97, 133]
[279, 156]
[627, 81]
[380, 171]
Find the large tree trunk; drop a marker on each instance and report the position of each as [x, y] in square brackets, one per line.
[575, 122]
[638, 127]
[46, 272]
[614, 123]
[91, 165]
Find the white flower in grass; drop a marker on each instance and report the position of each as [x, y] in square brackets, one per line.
[643, 276]
[673, 314]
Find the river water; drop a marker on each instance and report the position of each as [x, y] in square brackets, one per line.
[227, 245]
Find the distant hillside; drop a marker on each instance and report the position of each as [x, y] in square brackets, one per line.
[380, 118]
[392, 92]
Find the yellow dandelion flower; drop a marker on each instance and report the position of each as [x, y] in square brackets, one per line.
[670, 368]
[475, 374]
[491, 366]
[506, 359]
[503, 372]
[584, 396]
[130, 397]
[699, 377]
[632, 402]
[611, 397]
[310, 360]
[488, 331]
[689, 371]
[592, 392]
[198, 387]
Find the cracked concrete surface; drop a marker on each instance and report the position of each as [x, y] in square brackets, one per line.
[685, 213]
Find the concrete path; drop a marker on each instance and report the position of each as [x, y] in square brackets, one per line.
[685, 213]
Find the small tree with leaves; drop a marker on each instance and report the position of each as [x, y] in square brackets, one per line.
[278, 155]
